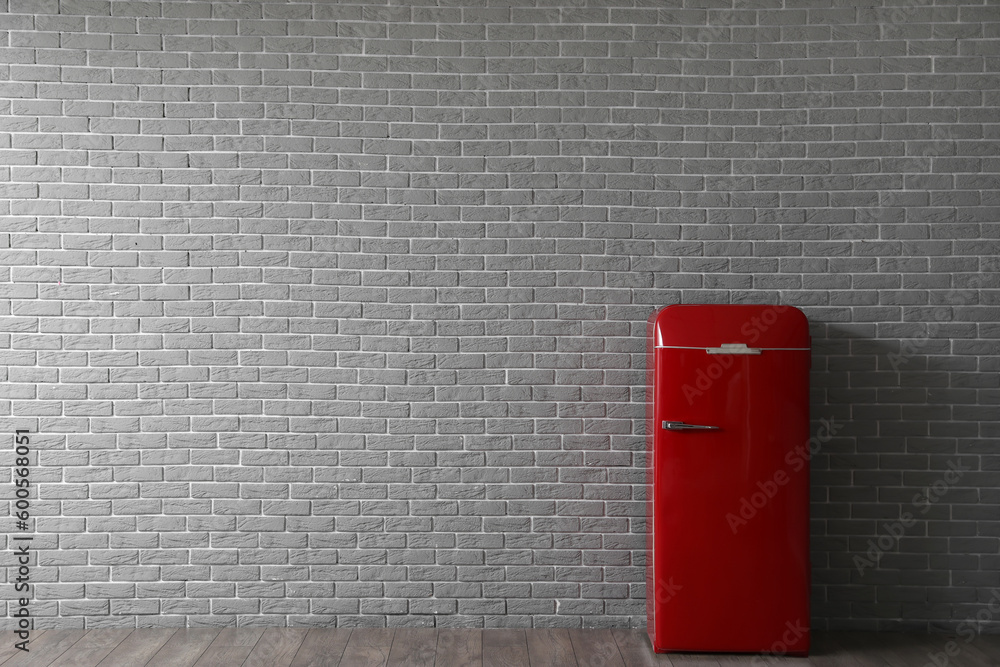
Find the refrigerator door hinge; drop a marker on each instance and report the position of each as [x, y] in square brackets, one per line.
[733, 348]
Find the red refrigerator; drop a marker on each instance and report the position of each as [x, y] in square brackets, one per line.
[728, 479]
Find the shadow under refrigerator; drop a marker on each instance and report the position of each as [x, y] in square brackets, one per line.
[728, 479]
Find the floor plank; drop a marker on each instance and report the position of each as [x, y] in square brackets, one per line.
[761, 660]
[230, 648]
[963, 653]
[636, 650]
[138, 648]
[322, 647]
[867, 644]
[693, 659]
[988, 643]
[368, 647]
[413, 647]
[747, 660]
[504, 647]
[985, 647]
[459, 646]
[901, 650]
[827, 652]
[8, 639]
[550, 647]
[598, 646]
[184, 648]
[44, 649]
[277, 647]
[93, 647]
[448, 647]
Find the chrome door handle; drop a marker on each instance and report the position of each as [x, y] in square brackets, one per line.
[681, 426]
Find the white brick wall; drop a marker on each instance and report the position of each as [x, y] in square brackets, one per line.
[333, 314]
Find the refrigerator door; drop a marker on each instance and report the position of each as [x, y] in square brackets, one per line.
[730, 480]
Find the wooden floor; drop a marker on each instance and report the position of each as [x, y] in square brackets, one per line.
[380, 647]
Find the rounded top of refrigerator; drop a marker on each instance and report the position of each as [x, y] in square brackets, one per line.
[712, 326]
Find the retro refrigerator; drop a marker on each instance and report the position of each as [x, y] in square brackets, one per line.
[728, 479]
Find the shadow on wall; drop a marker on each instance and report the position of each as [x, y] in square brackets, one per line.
[895, 532]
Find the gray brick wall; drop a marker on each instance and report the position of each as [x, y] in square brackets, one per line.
[326, 313]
